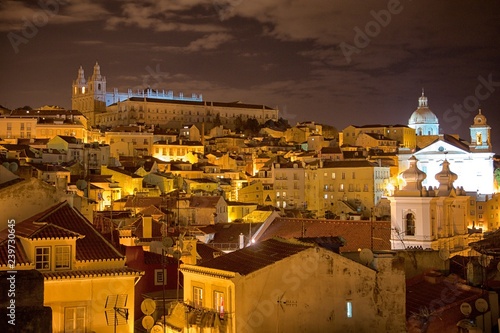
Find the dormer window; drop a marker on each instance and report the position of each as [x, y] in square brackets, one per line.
[63, 257]
[42, 258]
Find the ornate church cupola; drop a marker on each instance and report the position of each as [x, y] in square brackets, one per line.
[80, 85]
[423, 120]
[446, 178]
[480, 134]
[413, 178]
[422, 100]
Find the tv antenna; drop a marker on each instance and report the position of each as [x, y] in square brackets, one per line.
[116, 311]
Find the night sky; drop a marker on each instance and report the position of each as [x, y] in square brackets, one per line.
[333, 62]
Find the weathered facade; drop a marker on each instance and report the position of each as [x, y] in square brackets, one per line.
[289, 286]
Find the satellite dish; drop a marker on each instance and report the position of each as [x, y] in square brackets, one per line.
[366, 256]
[465, 308]
[444, 254]
[13, 166]
[168, 242]
[177, 254]
[158, 328]
[481, 305]
[148, 306]
[6, 165]
[148, 322]
[81, 184]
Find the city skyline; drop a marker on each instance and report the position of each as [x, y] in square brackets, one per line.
[336, 63]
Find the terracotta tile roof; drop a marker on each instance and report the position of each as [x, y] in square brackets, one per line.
[151, 258]
[124, 172]
[424, 294]
[21, 257]
[150, 211]
[204, 201]
[207, 252]
[93, 246]
[356, 233]
[256, 256]
[43, 230]
[331, 243]
[75, 274]
[230, 232]
[143, 202]
[139, 228]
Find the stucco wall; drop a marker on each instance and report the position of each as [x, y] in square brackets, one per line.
[26, 199]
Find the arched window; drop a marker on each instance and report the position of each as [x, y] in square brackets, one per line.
[479, 138]
[410, 224]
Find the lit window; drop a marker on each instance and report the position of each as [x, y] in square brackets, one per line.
[198, 297]
[219, 302]
[349, 309]
[74, 319]
[42, 258]
[63, 257]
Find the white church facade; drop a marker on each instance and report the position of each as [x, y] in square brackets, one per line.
[472, 161]
[427, 217]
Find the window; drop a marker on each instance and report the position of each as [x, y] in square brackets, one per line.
[410, 224]
[42, 257]
[198, 296]
[74, 319]
[160, 277]
[333, 175]
[341, 187]
[349, 309]
[343, 175]
[219, 302]
[63, 257]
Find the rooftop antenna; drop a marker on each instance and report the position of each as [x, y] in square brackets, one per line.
[116, 311]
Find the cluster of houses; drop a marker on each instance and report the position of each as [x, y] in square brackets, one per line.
[169, 219]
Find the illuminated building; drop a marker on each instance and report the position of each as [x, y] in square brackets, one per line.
[473, 162]
[154, 107]
[430, 218]
[43, 123]
[81, 270]
[287, 286]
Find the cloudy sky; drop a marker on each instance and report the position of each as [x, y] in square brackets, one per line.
[334, 62]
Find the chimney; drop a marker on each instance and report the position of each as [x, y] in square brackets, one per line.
[242, 241]
[147, 226]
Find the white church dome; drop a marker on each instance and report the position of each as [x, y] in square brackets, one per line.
[423, 120]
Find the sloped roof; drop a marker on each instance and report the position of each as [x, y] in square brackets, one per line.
[256, 256]
[43, 230]
[62, 220]
[230, 232]
[204, 201]
[357, 234]
[139, 228]
[143, 202]
[124, 172]
[207, 252]
[421, 294]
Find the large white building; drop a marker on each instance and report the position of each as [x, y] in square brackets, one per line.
[156, 108]
[430, 218]
[472, 161]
